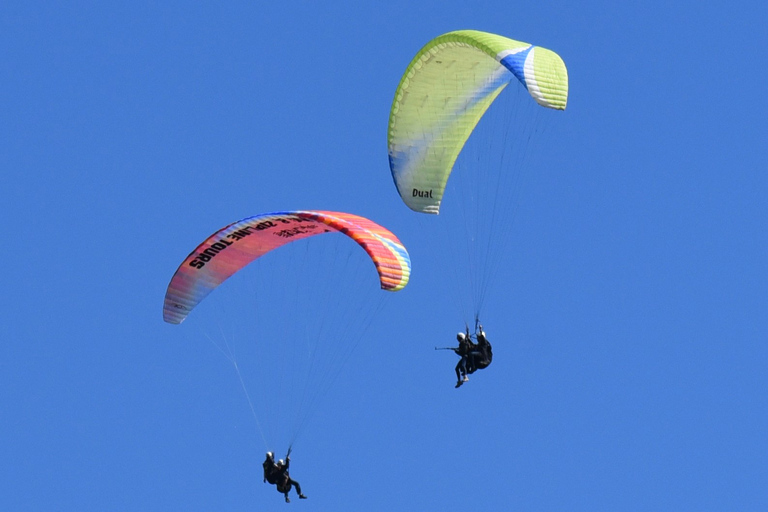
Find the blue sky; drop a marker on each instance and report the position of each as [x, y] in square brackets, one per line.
[629, 327]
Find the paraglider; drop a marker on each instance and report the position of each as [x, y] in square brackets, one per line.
[439, 104]
[232, 248]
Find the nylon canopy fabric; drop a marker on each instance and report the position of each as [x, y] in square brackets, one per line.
[444, 92]
[233, 247]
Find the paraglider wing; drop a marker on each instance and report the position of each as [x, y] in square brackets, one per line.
[235, 246]
[445, 91]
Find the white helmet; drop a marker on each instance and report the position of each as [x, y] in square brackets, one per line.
[270, 455]
[281, 462]
[461, 336]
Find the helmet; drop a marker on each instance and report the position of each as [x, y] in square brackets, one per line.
[461, 336]
[270, 455]
[281, 462]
